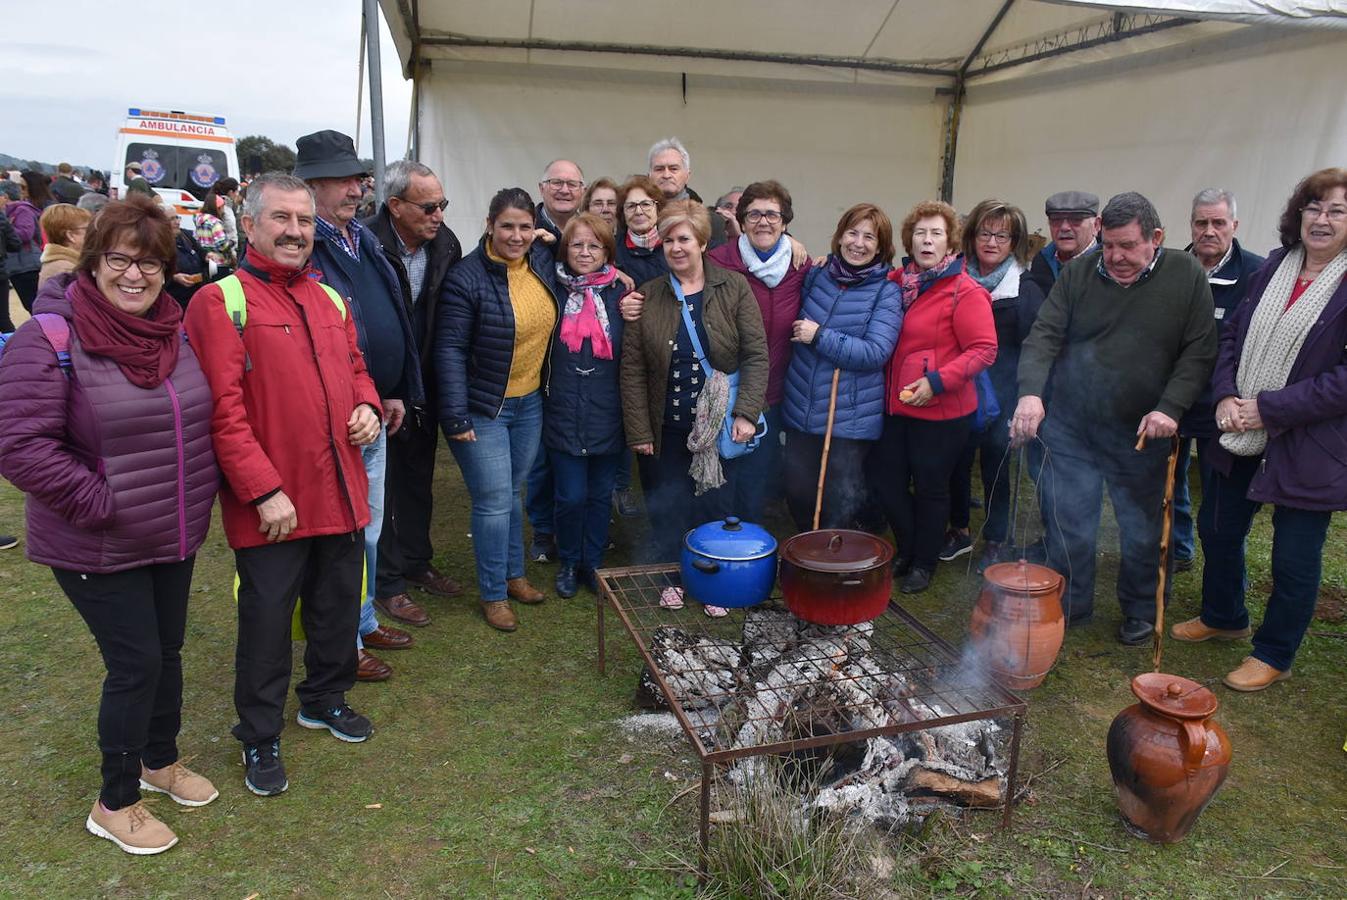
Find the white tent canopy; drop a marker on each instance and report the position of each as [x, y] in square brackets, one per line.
[890, 101]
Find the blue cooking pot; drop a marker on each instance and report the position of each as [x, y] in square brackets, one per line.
[729, 563]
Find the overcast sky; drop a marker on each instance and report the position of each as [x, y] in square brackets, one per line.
[69, 69]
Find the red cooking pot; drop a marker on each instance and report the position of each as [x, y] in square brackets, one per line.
[836, 576]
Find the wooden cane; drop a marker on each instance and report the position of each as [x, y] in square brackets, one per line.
[1165, 528]
[827, 445]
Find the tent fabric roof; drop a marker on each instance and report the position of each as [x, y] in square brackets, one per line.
[868, 40]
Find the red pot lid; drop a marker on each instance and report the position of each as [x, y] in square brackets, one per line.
[1174, 696]
[1022, 576]
[837, 550]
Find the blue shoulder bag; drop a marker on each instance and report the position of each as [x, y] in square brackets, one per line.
[726, 445]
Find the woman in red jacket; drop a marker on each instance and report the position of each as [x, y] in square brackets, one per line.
[948, 337]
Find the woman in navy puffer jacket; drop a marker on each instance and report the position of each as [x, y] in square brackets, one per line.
[849, 320]
[112, 445]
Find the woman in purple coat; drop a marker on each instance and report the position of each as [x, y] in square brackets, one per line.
[105, 425]
[1281, 374]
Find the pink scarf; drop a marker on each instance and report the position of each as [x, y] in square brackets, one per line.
[585, 316]
[913, 280]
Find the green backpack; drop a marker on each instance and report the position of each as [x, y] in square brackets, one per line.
[236, 305]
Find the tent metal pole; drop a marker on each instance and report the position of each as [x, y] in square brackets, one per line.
[955, 111]
[376, 96]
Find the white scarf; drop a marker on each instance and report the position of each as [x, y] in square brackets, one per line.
[1276, 335]
[773, 269]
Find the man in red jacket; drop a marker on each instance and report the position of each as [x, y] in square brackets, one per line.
[293, 406]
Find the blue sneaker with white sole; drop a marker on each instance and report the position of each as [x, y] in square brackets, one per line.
[265, 775]
[345, 723]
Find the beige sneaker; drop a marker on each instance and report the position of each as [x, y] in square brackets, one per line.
[1254, 675]
[132, 828]
[1196, 630]
[180, 783]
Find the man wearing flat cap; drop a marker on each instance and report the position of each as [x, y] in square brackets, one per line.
[350, 259]
[1073, 223]
[135, 182]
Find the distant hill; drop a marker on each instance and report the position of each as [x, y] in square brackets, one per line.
[14, 162]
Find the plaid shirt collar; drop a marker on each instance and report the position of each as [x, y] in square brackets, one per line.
[326, 231]
[1145, 273]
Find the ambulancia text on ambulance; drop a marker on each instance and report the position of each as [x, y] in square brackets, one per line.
[181, 154]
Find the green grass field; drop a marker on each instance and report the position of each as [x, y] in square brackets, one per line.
[499, 769]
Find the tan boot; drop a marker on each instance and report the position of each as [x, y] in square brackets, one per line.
[520, 589]
[1195, 630]
[180, 783]
[132, 828]
[1254, 675]
[499, 615]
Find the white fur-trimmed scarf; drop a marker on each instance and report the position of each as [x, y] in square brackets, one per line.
[1276, 335]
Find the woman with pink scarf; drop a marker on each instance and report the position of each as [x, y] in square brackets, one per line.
[582, 407]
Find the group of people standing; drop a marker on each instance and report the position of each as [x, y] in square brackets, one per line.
[309, 386]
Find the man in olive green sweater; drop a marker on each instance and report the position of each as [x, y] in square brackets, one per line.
[1127, 340]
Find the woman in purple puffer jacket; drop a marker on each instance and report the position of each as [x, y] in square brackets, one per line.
[105, 425]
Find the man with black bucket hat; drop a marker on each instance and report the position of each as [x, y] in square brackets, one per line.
[348, 257]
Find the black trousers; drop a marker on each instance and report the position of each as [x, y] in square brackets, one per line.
[25, 285]
[327, 572]
[844, 488]
[404, 545]
[911, 466]
[138, 618]
[672, 506]
[6, 323]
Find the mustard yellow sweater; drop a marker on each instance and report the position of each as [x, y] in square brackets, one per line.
[535, 315]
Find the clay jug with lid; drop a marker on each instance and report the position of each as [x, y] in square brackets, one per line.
[1017, 624]
[1168, 756]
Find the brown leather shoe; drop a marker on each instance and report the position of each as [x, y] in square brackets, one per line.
[1254, 675]
[372, 668]
[520, 589]
[401, 607]
[499, 615]
[387, 638]
[433, 581]
[1196, 630]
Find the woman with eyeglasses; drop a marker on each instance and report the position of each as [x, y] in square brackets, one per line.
[995, 245]
[1282, 383]
[582, 407]
[493, 334]
[601, 200]
[105, 425]
[639, 254]
[948, 337]
[763, 254]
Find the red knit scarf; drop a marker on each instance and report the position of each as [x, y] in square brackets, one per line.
[144, 347]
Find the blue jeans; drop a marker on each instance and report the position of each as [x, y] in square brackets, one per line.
[623, 481]
[494, 468]
[375, 457]
[1181, 533]
[540, 496]
[1083, 457]
[584, 491]
[760, 472]
[1223, 523]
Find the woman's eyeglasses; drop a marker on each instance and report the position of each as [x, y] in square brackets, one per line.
[757, 215]
[120, 262]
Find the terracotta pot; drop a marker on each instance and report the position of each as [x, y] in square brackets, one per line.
[836, 577]
[1167, 755]
[1017, 624]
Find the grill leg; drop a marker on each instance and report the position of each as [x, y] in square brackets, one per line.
[704, 834]
[603, 655]
[1013, 773]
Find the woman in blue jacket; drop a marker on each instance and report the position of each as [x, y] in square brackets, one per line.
[493, 332]
[582, 409]
[849, 320]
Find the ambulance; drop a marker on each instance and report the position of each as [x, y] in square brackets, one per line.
[181, 154]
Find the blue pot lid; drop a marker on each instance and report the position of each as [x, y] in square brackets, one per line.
[730, 540]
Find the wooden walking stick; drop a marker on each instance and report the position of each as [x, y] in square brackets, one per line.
[827, 445]
[1165, 527]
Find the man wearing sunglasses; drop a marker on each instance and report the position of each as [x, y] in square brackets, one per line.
[1073, 223]
[351, 261]
[410, 227]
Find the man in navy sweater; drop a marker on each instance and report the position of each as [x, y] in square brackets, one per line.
[350, 260]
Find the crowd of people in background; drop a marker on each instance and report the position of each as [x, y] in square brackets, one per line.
[302, 352]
